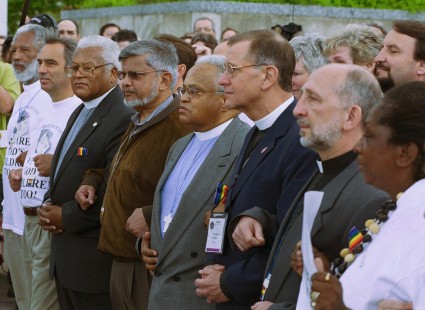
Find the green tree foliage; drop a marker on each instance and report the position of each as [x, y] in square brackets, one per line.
[53, 7]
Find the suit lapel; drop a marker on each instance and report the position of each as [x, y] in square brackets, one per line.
[93, 122]
[174, 156]
[332, 190]
[261, 151]
[201, 189]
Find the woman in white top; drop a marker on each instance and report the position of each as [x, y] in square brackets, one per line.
[388, 267]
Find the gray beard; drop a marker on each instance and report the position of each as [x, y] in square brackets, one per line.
[30, 72]
[323, 137]
[144, 101]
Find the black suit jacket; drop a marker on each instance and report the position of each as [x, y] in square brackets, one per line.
[347, 201]
[276, 171]
[75, 260]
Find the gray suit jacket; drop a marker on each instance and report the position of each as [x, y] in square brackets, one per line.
[348, 201]
[182, 250]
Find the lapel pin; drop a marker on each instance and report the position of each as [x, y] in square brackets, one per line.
[263, 150]
[94, 124]
[82, 151]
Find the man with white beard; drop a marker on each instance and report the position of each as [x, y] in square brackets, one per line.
[149, 74]
[24, 121]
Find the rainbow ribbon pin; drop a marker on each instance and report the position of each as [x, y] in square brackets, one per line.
[355, 237]
[220, 193]
[82, 151]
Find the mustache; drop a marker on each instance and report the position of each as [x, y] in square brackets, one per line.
[302, 122]
[382, 65]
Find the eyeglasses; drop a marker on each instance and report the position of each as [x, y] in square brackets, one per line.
[232, 69]
[193, 92]
[85, 70]
[133, 75]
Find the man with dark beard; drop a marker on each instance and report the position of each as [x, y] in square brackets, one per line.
[24, 121]
[149, 74]
[402, 57]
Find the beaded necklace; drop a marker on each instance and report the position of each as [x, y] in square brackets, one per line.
[359, 239]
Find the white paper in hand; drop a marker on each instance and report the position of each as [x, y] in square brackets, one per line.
[312, 201]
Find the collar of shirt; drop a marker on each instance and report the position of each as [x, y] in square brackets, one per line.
[268, 120]
[32, 87]
[338, 163]
[212, 133]
[136, 117]
[95, 102]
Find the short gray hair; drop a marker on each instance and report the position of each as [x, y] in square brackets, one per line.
[360, 88]
[110, 49]
[309, 49]
[215, 60]
[39, 32]
[161, 56]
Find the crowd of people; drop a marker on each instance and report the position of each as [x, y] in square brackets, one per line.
[171, 172]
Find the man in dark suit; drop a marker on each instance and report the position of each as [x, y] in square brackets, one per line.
[188, 185]
[90, 140]
[272, 166]
[330, 114]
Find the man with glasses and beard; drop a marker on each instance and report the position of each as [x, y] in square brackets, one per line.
[24, 121]
[402, 57]
[90, 140]
[149, 75]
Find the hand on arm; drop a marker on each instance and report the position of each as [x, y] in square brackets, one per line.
[86, 196]
[43, 162]
[21, 158]
[15, 178]
[321, 261]
[208, 286]
[149, 256]
[50, 218]
[136, 223]
[262, 305]
[248, 234]
[330, 292]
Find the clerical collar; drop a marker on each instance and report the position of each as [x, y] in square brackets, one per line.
[95, 102]
[336, 163]
[212, 133]
[268, 120]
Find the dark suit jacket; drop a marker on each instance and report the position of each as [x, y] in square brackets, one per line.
[182, 250]
[276, 171]
[348, 201]
[75, 260]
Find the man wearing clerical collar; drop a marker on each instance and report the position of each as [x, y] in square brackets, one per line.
[185, 192]
[272, 166]
[330, 114]
[149, 75]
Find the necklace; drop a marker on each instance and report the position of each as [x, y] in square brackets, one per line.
[358, 240]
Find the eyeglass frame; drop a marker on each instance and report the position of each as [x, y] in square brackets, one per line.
[195, 92]
[92, 68]
[232, 70]
[137, 73]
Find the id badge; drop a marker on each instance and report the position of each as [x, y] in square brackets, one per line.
[216, 228]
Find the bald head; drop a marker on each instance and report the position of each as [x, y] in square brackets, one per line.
[336, 98]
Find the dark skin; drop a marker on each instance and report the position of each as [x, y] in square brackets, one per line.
[43, 162]
[330, 292]
[50, 218]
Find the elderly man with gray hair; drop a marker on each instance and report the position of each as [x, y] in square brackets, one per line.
[90, 140]
[149, 75]
[308, 49]
[196, 166]
[24, 121]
